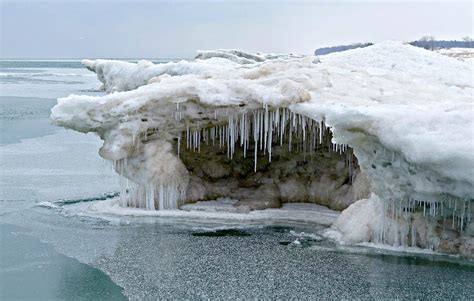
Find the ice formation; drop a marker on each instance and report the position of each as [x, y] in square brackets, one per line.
[396, 115]
[463, 54]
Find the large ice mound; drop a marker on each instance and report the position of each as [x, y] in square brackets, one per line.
[404, 112]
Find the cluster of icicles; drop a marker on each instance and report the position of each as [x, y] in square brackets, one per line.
[453, 213]
[154, 196]
[263, 128]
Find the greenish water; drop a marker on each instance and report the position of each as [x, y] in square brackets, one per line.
[32, 270]
[24, 117]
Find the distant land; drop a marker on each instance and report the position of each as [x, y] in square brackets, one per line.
[425, 42]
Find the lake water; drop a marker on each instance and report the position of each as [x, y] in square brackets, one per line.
[47, 252]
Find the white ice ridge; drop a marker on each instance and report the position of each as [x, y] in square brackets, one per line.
[406, 113]
[124, 76]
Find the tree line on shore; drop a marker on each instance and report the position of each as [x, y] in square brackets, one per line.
[426, 42]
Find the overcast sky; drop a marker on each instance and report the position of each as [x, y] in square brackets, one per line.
[152, 29]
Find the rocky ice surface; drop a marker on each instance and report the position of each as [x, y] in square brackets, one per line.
[462, 54]
[385, 132]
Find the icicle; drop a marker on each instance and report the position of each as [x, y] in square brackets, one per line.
[231, 136]
[282, 126]
[290, 134]
[454, 212]
[469, 210]
[220, 136]
[227, 139]
[179, 144]
[150, 197]
[313, 134]
[255, 138]
[261, 129]
[265, 138]
[213, 136]
[198, 138]
[321, 132]
[303, 126]
[244, 134]
[270, 139]
[187, 137]
[161, 200]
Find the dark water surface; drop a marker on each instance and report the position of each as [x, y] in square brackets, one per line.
[179, 259]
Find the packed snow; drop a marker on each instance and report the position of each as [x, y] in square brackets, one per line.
[406, 112]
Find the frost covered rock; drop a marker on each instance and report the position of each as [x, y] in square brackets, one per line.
[404, 113]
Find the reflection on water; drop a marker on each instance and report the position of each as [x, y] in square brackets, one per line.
[223, 232]
[420, 261]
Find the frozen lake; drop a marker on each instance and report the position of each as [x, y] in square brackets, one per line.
[60, 254]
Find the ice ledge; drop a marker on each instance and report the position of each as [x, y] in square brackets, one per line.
[221, 210]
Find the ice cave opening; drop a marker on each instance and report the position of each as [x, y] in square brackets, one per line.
[262, 157]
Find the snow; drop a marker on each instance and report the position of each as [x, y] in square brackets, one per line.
[358, 222]
[124, 76]
[405, 111]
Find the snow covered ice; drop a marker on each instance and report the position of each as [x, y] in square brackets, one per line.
[404, 113]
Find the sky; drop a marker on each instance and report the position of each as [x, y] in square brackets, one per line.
[176, 29]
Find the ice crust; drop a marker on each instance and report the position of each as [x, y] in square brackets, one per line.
[406, 112]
